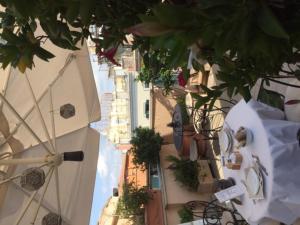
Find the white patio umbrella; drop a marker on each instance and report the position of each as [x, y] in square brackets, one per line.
[43, 114]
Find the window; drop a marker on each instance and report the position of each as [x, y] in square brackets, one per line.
[146, 109]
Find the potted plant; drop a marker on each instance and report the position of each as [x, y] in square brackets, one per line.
[186, 215]
[146, 145]
[185, 171]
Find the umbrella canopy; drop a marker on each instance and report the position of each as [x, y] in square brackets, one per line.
[76, 184]
[68, 77]
[43, 113]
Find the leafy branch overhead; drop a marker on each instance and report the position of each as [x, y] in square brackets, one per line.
[64, 23]
[248, 40]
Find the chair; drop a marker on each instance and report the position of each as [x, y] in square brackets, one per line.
[214, 213]
[210, 121]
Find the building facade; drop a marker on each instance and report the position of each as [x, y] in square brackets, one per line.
[131, 106]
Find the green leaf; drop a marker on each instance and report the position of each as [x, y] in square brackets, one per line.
[269, 23]
[86, 10]
[43, 53]
[206, 89]
[207, 4]
[197, 66]
[10, 37]
[72, 11]
[201, 101]
[186, 73]
[7, 20]
[297, 74]
[175, 16]
[271, 98]
[148, 29]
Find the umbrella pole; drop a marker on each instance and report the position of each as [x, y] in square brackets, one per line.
[48, 159]
[24, 123]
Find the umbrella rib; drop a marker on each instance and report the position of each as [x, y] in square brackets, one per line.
[57, 191]
[39, 113]
[69, 59]
[55, 148]
[18, 175]
[52, 119]
[21, 215]
[45, 205]
[10, 179]
[42, 197]
[24, 123]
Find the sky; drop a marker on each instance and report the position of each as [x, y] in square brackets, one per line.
[109, 160]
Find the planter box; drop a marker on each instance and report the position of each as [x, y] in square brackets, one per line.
[205, 177]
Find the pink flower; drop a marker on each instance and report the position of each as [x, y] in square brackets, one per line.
[182, 82]
[109, 54]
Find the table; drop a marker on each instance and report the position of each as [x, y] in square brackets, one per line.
[276, 145]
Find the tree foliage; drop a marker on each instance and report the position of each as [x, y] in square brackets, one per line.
[146, 145]
[132, 201]
[65, 23]
[247, 39]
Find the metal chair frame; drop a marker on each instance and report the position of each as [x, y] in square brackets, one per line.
[212, 212]
[205, 120]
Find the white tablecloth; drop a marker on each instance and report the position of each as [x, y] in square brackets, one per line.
[275, 143]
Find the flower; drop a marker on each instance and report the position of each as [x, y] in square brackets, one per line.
[182, 82]
[109, 54]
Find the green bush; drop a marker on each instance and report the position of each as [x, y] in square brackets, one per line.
[185, 171]
[146, 145]
[132, 201]
[186, 215]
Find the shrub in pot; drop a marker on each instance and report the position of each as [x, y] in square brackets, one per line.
[185, 171]
[146, 145]
[186, 215]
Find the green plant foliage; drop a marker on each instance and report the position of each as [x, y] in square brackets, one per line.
[185, 171]
[160, 67]
[247, 39]
[146, 145]
[184, 113]
[132, 201]
[64, 23]
[186, 215]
